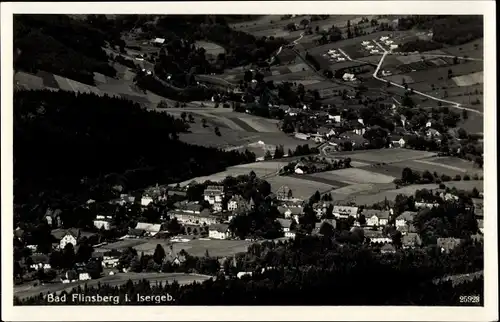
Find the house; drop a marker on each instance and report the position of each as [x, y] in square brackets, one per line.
[284, 193]
[446, 196]
[53, 217]
[448, 244]
[345, 211]
[349, 77]
[19, 233]
[478, 205]
[411, 240]
[286, 225]
[149, 229]
[65, 237]
[298, 170]
[318, 225]
[433, 133]
[237, 202]
[364, 43]
[219, 231]
[69, 277]
[40, 261]
[174, 258]
[102, 224]
[336, 118]
[376, 217]
[387, 249]
[397, 141]
[84, 276]
[384, 38]
[393, 46]
[146, 200]
[405, 218]
[302, 136]
[189, 207]
[158, 41]
[377, 237]
[214, 196]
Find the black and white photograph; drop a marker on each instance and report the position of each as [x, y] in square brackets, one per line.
[171, 155]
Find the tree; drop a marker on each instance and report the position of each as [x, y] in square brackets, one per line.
[159, 254]
[183, 116]
[268, 155]
[326, 229]
[304, 23]
[204, 122]
[465, 115]
[68, 256]
[191, 118]
[407, 175]
[362, 220]
[173, 226]
[217, 132]
[85, 251]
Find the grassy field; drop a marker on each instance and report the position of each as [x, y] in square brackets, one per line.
[356, 175]
[384, 155]
[197, 247]
[210, 47]
[469, 79]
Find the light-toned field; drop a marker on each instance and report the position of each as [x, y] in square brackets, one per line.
[353, 189]
[356, 175]
[298, 67]
[400, 79]
[385, 155]
[301, 188]
[470, 79]
[428, 165]
[210, 47]
[197, 247]
[409, 59]
[454, 164]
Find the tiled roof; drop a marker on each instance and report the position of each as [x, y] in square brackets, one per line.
[222, 228]
[381, 214]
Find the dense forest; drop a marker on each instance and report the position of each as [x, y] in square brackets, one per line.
[68, 144]
[319, 271]
[64, 46]
[450, 30]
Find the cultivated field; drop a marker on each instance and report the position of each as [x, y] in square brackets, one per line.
[470, 79]
[210, 47]
[197, 247]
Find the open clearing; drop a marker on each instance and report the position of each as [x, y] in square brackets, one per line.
[470, 79]
[210, 47]
[197, 247]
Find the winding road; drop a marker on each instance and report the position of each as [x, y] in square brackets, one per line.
[375, 75]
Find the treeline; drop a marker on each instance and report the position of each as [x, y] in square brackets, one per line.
[61, 45]
[420, 46]
[451, 30]
[68, 145]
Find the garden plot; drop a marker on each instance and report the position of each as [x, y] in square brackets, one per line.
[470, 79]
[298, 67]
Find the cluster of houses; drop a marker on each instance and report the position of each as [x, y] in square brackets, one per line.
[369, 47]
[334, 56]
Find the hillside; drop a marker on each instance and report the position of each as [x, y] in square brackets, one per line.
[75, 145]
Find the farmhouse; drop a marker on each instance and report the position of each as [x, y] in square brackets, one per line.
[387, 249]
[146, 200]
[149, 229]
[40, 261]
[377, 237]
[290, 212]
[158, 41]
[420, 204]
[219, 231]
[69, 236]
[405, 218]
[214, 196]
[376, 217]
[397, 141]
[189, 207]
[286, 224]
[345, 211]
[53, 218]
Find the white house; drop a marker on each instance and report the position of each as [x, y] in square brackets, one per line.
[237, 202]
[109, 261]
[364, 43]
[369, 47]
[393, 46]
[214, 195]
[102, 224]
[397, 141]
[219, 231]
[428, 124]
[302, 136]
[150, 229]
[384, 38]
[374, 51]
[158, 40]
[286, 224]
[336, 118]
[348, 77]
[341, 59]
[420, 204]
[37, 266]
[241, 274]
[299, 171]
[389, 42]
